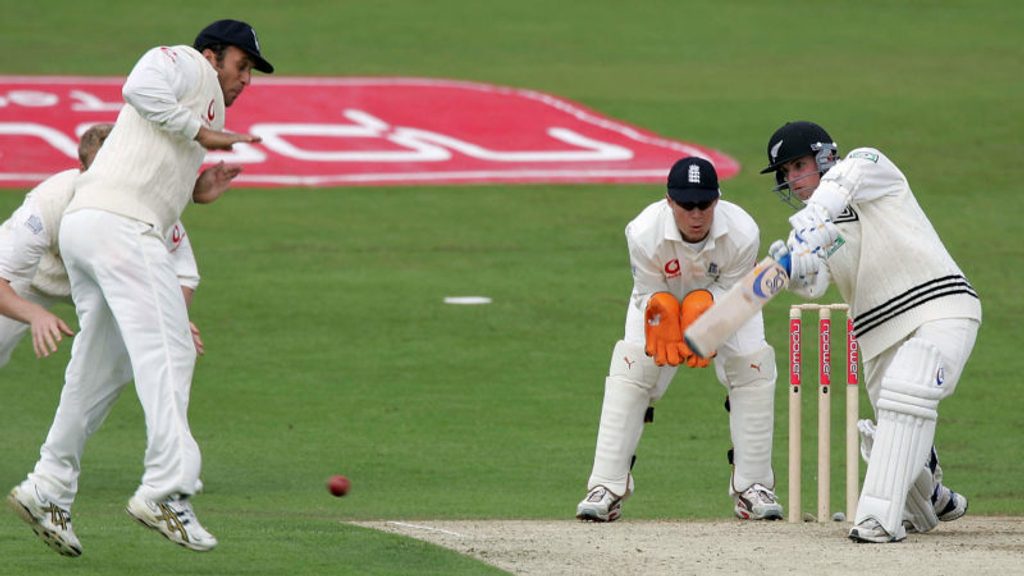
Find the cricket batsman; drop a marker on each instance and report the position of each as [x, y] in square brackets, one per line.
[915, 314]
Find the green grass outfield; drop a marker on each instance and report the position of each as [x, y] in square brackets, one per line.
[328, 347]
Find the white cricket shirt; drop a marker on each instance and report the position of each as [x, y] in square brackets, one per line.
[892, 268]
[148, 166]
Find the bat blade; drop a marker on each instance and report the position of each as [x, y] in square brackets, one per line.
[745, 299]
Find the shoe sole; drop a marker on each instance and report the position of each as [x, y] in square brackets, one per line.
[156, 528]
[858, 538]
[589, 515]
[744, 514]
[954, 514]
[50, 537]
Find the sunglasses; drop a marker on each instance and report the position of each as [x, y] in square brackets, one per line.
[688, 206]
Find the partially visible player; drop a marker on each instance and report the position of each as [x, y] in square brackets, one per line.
[689, 246]
[915, 314]
[32, 274]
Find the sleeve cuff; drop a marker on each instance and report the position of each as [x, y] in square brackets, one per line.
[192, 128]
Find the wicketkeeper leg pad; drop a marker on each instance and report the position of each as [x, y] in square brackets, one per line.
[751, 383]
[632, 377]
[907, 408]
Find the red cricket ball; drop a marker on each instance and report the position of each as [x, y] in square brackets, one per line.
[338, 485]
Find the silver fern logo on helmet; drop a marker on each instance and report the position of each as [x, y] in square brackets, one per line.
[775, 151]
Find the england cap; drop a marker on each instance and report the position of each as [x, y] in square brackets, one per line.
[693, 179]
[236, 33]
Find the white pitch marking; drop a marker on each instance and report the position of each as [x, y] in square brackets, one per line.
[427, 528]
[467, 300]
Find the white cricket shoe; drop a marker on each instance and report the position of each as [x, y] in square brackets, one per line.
[950, 505]
[757, 503]
[49, 521]
[869, 530]
[175, 519]
[600, 505]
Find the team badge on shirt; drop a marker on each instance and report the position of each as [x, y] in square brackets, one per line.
[869, 156]
[34, 224]
[672, 268]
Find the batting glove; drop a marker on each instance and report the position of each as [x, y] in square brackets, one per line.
[813, 226]
[804, 261]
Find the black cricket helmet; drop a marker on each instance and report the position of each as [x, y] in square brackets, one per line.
[796, 139]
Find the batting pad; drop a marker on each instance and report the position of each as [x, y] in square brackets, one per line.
[907, 403]
[627, 394]
[751, 383]
[919, 509]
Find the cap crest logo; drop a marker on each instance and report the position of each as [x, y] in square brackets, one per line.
[775, 150]
[693, 174]
[254, 39]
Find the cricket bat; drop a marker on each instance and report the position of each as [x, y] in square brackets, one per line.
[737, 306]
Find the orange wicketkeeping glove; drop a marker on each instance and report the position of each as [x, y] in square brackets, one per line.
[662, 329]
[694, 304]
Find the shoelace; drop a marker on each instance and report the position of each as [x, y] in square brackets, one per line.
[182, 510]
[59, 516]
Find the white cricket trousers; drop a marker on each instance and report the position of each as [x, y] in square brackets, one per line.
[128, 302]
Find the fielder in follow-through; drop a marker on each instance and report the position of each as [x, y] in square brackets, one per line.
[126, 292]
[915, 315]
[689, 246]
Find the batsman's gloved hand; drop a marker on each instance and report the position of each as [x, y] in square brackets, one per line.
[804, 262]
[662, 330]
[813, 226]
[693, 306]
[778, 250]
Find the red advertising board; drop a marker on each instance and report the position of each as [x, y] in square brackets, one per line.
[362, 131]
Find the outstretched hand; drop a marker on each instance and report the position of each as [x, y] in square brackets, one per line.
[218, 140]
[214, 181]
[47, 332]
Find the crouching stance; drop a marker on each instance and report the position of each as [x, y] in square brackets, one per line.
[689, 247]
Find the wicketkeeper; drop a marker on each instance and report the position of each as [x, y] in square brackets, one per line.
[685, 250]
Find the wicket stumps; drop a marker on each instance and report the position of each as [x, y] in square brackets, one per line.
[824, 411]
